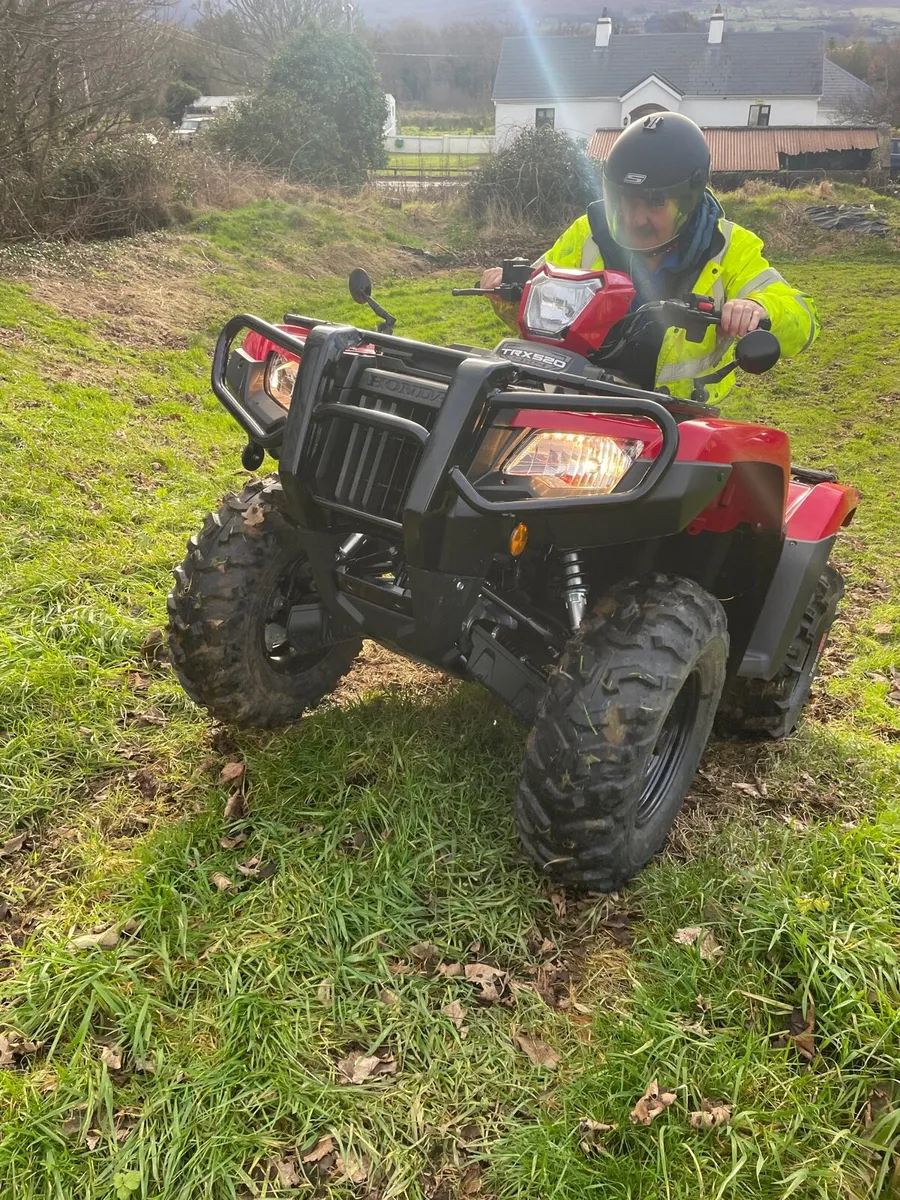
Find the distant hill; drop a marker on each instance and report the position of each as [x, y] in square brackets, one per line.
[438, 12]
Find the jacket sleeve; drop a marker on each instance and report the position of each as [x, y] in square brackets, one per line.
[748, 276]
[566, 251]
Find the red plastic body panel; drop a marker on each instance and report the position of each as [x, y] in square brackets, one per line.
[819, 510]
[590, 328]
[259, 348]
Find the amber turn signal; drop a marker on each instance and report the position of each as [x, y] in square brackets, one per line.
[518, 540]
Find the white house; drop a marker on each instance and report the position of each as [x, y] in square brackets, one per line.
[721, 78]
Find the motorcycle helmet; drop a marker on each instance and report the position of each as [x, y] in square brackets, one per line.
[653, 180]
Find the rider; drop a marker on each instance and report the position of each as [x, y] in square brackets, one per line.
[660, 224]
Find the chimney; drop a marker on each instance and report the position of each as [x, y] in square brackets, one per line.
[604, 31]
[716, 26]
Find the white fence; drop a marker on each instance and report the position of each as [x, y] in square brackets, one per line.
[446, 144]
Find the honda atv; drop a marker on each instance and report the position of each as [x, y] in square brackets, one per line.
[622, 568]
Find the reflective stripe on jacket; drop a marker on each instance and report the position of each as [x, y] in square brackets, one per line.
[738, 272]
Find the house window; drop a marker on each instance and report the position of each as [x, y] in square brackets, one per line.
[545, 118]
[759, 114]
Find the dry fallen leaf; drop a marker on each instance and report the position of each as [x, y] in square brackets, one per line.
[108, 939]
[92, 1141]
[145, 1066]
[111, 1057]
[748, 789]
[286, 1172]
[325, 992]
[450, 970]
[801, 1031]
[250, 867]
[558, 901]
[709, 947]
[14, 1046]
[710, 1115]
[235, 808]
[354, 1170]
[357, 1067]
[233, 843]
[254, 515]
[883, 630]
[13, 845]
[618, 926]
[493, 984]
[540, 1054]
[651, 1104]
[457, 1015]
[230, 772]
[591, 1133]
[222, 882]
[470, 1181]
[323, 1146]
[387, 997]
[425, 956]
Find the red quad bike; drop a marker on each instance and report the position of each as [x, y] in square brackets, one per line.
[624, 569]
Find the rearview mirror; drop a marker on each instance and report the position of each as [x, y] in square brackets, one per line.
[757, 352]
[360, 286]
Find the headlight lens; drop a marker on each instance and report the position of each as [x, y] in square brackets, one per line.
[281, 375]
[574, 461]
[553, 304]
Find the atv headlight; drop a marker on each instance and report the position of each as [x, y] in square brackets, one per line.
[575, 461]
[281, 375]
[553, 304]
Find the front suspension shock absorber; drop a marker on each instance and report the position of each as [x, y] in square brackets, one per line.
[575, 588]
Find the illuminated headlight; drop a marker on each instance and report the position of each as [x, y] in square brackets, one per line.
[281, 375]
[574, 461]
[553, 304]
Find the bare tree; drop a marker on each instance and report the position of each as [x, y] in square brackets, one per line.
[262, 26]
[71, 71]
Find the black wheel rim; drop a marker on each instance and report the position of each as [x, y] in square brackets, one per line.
[668, 753]
[295, 586]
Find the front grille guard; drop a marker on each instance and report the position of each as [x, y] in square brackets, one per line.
[477, 386]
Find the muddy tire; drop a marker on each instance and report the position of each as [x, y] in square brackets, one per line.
[621, 731]
[759, 708]
[242, 573]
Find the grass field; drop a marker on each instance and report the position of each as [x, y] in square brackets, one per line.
[432, 162]
[199, 1054]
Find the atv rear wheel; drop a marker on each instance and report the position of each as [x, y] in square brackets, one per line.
[759, 708]
[228, 615]
[621, 731]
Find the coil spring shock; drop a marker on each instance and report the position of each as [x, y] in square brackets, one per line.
[575, 588]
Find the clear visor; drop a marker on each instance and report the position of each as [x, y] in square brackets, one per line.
[644, 220]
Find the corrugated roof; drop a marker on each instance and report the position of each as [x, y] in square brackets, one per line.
[745, 64]
[758, 149]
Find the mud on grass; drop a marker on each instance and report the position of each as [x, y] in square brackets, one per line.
[368, 855]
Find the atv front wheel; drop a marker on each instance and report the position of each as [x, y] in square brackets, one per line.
[760, 708]
[228, 615]
[621, 731]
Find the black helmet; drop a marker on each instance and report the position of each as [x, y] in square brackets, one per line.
[661, 158]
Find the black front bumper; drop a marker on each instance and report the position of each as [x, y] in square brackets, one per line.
[397, 443]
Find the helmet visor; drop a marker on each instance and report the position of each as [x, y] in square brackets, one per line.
[645, 220]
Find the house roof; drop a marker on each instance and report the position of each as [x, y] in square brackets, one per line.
[744, 64]
[757, 149]
[840, 87]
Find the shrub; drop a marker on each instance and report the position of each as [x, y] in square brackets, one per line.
[177, 97]
[542, 179]
[319, 117]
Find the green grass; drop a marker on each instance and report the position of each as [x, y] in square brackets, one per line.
[433, 162]
[388, 818]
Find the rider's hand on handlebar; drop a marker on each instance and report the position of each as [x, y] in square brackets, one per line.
[740, 317]
[492, 278]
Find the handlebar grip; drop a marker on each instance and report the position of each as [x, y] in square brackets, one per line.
[765, 323]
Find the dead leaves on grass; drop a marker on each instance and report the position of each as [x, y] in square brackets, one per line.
[13, 845]
[710, 1115]
[537, 1050]
[456, 1014]
[14, 1047]
[651, 1104]
[231, 772]
[492, 983]
[591, 1135]
[801, 1032]
[106, 939]
[709, 948]
[357, 1068]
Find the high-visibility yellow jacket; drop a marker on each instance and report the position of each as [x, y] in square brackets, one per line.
[737, 270]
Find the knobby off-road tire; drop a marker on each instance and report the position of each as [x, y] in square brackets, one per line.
[759, 708]
[241, 574]
[621, 731]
